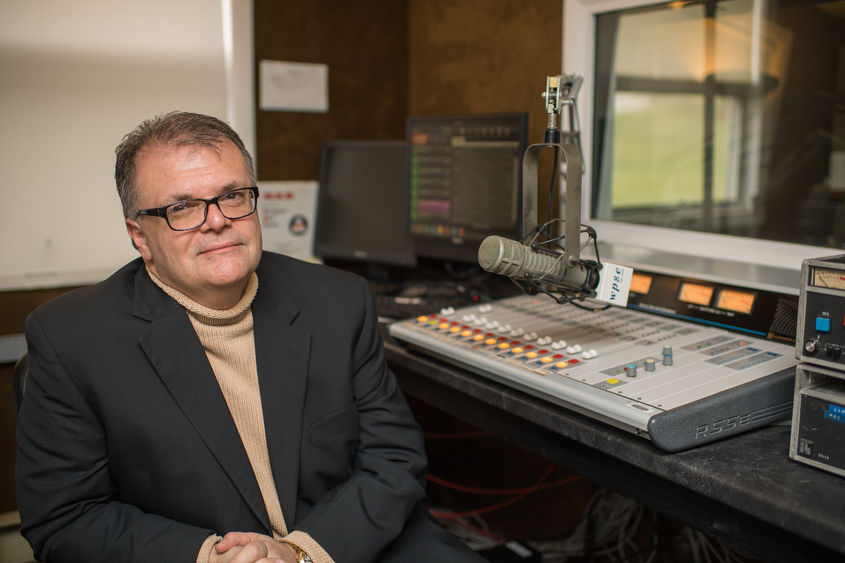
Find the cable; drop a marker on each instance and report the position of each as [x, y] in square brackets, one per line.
[591, 309]
[456, 435]
[549, 209]
[607, 529]
[480, 537]
[454, 518]
[704, 549]
[657, 534]
[477, 536]
[509, 501]
[491, 508]
[517, 491]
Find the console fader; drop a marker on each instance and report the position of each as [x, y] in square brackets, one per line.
[678, 383]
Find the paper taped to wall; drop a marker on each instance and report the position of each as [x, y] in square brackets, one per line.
[288, 86]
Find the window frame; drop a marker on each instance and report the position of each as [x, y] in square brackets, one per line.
[579, 59]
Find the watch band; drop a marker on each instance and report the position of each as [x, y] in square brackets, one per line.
[301, 555]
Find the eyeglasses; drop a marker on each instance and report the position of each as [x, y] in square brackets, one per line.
[192, 213]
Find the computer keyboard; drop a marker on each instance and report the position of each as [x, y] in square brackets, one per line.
[390, 307]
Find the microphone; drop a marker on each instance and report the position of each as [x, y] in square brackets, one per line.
[523, 263]
[510, 258]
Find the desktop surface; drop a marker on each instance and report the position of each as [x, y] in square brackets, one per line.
[743, 490]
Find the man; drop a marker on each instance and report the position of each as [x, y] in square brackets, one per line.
[210, 402]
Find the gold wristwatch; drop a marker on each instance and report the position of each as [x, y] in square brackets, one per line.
[301, 555]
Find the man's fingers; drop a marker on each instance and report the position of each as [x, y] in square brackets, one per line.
[231, 540]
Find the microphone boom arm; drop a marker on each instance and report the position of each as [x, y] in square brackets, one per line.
[545, 261]
[572, 180]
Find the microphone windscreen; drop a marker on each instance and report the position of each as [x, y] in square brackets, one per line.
[496, 255]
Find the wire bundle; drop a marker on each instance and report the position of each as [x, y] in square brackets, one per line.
[611, 528]
[469, 524]
[703, 549]
[608, 528]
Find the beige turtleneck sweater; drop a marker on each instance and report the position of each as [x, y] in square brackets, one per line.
[227, 337]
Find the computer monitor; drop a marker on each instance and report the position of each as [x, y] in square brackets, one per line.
[362, 205]
[465, 181]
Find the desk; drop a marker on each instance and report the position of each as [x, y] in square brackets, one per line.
[743, 490]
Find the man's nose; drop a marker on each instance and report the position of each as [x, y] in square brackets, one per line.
[215, 220]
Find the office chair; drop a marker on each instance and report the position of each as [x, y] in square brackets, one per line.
[19, 382]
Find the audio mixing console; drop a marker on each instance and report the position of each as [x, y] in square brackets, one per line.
[678, 383]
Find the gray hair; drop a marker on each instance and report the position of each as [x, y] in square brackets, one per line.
[176, 128]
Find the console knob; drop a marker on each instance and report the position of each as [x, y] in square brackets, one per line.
[667, 356]
[811, 346]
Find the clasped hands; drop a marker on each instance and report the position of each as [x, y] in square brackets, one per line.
[249, 547]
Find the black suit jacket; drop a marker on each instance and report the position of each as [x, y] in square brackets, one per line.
[127, 451]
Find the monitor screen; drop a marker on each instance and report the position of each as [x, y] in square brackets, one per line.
[464, 181]
[362, 204]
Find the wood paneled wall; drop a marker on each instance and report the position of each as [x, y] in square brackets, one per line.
[364, 43]
[392, 58]
[483, 56]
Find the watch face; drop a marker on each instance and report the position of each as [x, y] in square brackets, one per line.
[301, 555]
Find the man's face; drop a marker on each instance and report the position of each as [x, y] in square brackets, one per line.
[210, 264]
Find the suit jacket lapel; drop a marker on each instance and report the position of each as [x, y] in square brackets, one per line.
[172, 346]
[282, 355]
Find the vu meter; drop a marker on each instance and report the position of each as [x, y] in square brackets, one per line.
[736, 301]
[820, 338]
[828, 278]
[695, 293]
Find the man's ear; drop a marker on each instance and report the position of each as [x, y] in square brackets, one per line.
[139, 239]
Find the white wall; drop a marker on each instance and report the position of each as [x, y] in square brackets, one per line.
[75, 76]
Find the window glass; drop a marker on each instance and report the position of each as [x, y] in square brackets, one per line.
[722, 117]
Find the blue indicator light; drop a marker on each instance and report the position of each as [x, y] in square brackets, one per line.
[833, 416]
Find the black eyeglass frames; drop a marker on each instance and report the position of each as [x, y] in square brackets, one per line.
[191, 214]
